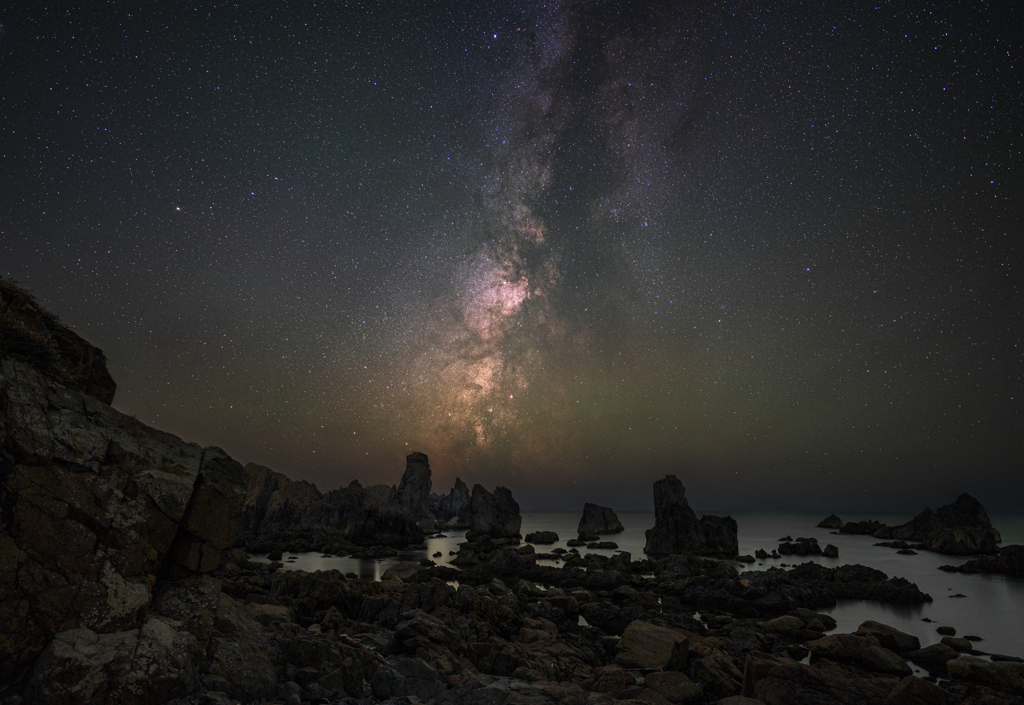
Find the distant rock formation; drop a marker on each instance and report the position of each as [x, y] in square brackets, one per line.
[99, 512]
[830, 522]
[1009, 561]
[495, 515]
[598, 520]
[958, 529]
[284, 514]
[453, 509]
[677, 530]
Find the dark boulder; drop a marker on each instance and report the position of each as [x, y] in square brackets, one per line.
[542, 537]
[598, 520]
[677, 529]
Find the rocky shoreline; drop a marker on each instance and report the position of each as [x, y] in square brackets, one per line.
[125, 578]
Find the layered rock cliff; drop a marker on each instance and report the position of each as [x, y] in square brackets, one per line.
[97, 511]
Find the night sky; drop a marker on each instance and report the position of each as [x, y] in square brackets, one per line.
[567, 248]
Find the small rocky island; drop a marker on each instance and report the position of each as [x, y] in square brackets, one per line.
[126, 579]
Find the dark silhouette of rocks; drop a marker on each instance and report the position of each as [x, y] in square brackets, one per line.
[116, 586]
[598, 520]
[1009, 561]
[830, 522]
[496, 515]
[34, 336]
[414, 491]
[677, 529]
[959, 529]
[453, 509]
[542, 537]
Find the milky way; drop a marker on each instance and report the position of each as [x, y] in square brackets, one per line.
[566, 248]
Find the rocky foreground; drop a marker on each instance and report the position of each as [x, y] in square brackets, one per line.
[124, 578]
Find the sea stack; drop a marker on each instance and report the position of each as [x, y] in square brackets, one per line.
[414, 491]
[598, 520]
[677, 529]
[496, 515]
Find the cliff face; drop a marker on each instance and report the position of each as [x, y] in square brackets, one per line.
[97, 510]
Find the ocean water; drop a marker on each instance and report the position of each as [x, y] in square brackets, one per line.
[992, 607]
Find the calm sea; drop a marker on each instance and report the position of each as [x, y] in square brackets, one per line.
[992, 606]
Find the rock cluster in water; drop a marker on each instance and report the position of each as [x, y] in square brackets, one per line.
[284, 515]
[598, 520]
[958, 529]
[677, 529]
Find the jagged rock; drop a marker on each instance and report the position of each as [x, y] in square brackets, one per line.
[830, 551]
[414, 491]
[677, 530]
[213, 514]
[541, 537]
[959, 529]
[496, 515]
[32, 335]
[96, 505]
[598, 520]
[830, 522]
[453, 509]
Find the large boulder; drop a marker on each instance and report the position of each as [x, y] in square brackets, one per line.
[598, 520]
[496, 515]
[414, 491]
[677, 529]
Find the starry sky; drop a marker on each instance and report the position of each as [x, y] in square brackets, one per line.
[567, 248]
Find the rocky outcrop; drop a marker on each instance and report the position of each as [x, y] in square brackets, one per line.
[97, 512]
[453, 509]
[598, 520]
[34, 336]
[414, 491]
[958, 529]
[677, 529]
[830, 522]
[496, 515]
